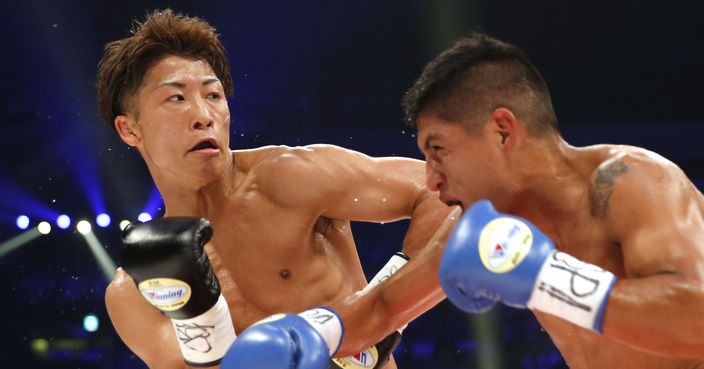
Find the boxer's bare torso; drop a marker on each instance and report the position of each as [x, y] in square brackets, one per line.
[281, 215]
[623, 208]
[271, 252]
[597, 223]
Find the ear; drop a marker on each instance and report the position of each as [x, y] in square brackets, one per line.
[505, 128]
[128, 129]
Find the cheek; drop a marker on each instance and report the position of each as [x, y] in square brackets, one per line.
[161, 141]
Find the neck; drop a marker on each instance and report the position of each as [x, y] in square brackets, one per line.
[552, 179]
[199, 198]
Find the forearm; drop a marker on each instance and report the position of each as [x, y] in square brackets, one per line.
[411, 291]
[371, 315]
[663, 314]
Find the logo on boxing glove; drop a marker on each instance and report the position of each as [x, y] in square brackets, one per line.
[504, 243]
[165, 293]
[364, 359]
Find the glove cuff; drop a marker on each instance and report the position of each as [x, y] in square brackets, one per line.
[328, 323]
[205, 339]
[573, 290]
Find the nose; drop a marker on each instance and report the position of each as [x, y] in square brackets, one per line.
[202, 116]
[433, 177]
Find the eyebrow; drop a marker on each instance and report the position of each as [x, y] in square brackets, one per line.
[183, 85]
[429, 138]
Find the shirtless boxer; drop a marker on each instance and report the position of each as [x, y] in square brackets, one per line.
[281, 215]
[487, 128]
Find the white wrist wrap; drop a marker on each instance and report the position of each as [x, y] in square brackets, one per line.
[205, 339]
[573, 290]
[328, 324]
[391, 267]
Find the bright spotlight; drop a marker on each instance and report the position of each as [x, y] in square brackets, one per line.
[44, 227]
[90, 323]
[144, 217]
[22, 222]
[63, 221]
[124, 224]
[102, 220]
[83, 226]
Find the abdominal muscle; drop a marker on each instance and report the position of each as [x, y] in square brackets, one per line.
[261, 286]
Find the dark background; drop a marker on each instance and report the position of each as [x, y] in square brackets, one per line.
[308, 72]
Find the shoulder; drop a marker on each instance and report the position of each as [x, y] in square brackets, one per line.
[302, 162]
[628, 175]
[636, 191]
[285, 155]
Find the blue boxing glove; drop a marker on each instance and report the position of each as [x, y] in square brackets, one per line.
[497, 257]
[288, 341]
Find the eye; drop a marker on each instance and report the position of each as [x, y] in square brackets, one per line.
[176, 98]
[214, 96]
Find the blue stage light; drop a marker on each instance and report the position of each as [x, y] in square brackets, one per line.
[63, 221]
[22, 222]
[91, 323]
[102, 220]
[144, 217]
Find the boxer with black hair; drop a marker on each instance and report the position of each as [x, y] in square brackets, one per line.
[603, 243]
[280, 216]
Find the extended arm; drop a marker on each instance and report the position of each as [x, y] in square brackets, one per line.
[410, 292]
[353, 186]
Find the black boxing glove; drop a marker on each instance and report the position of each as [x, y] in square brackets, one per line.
[378, 355]
[166, 260]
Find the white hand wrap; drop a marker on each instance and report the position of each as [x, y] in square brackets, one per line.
[328, 324]
[205, 339]
[573, 290]
[392, 266]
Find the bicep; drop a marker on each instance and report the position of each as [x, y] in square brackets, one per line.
[346, 184]
[380, 189]
[146, 332]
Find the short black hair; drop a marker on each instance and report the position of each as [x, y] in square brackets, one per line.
[477, 75]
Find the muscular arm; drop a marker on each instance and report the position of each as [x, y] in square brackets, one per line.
[656, 216]
[345, 184]
[411, 291]
[148, 333]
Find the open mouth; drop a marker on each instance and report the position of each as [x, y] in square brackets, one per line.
[205, 145]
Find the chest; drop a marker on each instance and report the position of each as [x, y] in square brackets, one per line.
[586, 239]
[271, 259]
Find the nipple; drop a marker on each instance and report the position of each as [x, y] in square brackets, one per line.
[285, 274]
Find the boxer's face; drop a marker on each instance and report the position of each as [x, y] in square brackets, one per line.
[180, 120]
[460, 165]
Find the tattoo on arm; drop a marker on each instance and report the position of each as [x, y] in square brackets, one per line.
[603, 186]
